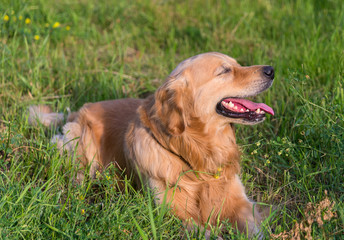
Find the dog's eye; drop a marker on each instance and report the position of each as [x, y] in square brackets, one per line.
[225, 70]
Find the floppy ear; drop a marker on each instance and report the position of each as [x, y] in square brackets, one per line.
[169, 107]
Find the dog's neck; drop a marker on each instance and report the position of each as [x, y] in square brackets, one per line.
[208, 150]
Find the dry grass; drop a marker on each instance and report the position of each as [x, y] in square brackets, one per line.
[318, 213]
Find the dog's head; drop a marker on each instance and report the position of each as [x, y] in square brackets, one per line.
[212, 88]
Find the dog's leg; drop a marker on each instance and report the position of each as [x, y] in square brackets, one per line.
[184, 201]
[205, 202]
[249, 220]
[78, 139]
[246, 215]
[78, 135]
[226, 200]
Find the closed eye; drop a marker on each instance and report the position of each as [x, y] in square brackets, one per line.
[225, 70]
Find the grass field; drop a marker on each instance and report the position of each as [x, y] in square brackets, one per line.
[65, 53]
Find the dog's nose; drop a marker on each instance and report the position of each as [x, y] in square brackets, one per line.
[269, 72]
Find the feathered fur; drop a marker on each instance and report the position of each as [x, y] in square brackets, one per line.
[174, 139]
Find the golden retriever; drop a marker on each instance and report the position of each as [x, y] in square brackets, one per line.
[180, 140]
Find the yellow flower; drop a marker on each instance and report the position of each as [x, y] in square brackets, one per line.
[268, 161]
[216, 176]
[219, 169]
[36, 37]
[27, 21]
[20, 17]
[67, 28]
[81, 197]
[6, 18]
[107, 177]
[258, 144]
[279, 153]
[56, 25]
[82, 211]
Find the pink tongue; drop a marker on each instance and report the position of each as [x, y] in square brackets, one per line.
[251, 105]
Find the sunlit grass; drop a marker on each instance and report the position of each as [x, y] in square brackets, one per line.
[66, 53]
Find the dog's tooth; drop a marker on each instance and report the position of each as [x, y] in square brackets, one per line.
[258, 110]
[231, 104]
[241, 110]
[262, 112]
[247, 110]
[235, 107]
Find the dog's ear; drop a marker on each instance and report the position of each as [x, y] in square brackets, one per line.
[170, 107]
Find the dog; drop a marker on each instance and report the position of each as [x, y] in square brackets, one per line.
[181, 140]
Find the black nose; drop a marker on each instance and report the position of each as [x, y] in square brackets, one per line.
[269, 72]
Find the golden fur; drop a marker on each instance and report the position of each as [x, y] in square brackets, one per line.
[175, 140]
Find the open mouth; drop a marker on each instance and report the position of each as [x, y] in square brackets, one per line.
[244, 109]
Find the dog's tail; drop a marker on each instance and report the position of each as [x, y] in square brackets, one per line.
[44, 115]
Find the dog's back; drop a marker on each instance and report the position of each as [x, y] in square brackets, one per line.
[108, 122]
[96, 132]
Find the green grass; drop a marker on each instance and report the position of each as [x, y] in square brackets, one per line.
[125, 49]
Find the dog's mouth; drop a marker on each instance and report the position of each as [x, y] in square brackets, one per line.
[243, 109]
